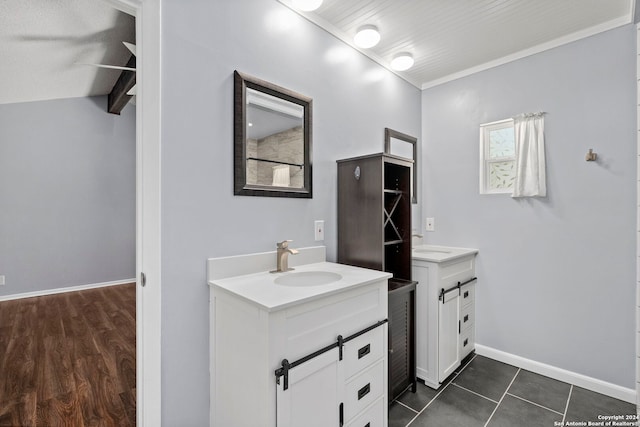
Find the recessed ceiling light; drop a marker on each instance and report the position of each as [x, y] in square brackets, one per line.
[306, 5]
[402, 61]
[367, 36]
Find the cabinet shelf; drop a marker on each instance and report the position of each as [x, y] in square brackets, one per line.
[393, 242]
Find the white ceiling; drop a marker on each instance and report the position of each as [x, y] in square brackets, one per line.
[44, 42]
[453, 38]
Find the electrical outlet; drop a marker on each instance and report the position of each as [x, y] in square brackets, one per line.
[430, 224]
[319, 229]
[2, 280]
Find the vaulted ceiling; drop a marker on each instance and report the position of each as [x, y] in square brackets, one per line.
[44, 44]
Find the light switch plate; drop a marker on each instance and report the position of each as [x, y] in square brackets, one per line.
[2, 280]
[430, 224]
[319, 229]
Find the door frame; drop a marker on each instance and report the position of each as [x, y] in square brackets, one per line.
[148, 208]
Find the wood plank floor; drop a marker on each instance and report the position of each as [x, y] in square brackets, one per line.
[69, 359]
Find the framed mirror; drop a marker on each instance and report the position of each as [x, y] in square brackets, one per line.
[403, 145]
[272, 139]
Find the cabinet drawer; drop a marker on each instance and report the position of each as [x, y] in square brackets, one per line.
[467, 314]
[467, 295]
[364, 389]
[363, 351]
[467, 342]
[373, 416]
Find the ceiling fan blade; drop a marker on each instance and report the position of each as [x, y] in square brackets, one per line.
[113, 67]
[131, 47]
[133, 91]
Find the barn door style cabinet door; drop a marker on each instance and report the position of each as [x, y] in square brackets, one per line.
[374, 231]
[448, 349]
[312, 393]
[342, 386]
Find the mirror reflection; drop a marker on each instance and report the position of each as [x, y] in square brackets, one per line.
[403, 145]
[275, 141]
[272, 140]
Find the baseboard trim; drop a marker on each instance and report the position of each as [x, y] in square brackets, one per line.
[593, 384]
[63, 290]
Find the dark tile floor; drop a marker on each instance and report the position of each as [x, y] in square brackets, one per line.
[485, 392]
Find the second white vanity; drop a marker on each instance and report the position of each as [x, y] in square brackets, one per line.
[306, 347]
[445, 309]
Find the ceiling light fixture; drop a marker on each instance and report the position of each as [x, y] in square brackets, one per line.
[402, 61]
[367, 36]
[306, 5]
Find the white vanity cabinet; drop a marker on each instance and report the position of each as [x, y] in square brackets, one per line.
[445, 309]
[300, 356]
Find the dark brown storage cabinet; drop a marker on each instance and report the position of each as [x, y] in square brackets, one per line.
[374, 231]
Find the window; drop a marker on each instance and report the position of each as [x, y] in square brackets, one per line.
[497, 157]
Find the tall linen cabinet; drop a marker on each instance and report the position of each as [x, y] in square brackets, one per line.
[374, 231]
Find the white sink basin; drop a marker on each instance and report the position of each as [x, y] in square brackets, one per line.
[308, 278]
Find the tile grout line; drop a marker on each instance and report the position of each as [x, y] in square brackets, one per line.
[534, 403]
[406, 406]
[477, 394]
[443, 389]
[502, 398]
[566, 408]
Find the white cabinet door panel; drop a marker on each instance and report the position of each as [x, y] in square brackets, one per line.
[448, 350]
[313, 394]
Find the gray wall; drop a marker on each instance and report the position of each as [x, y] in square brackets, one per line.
[556, 275]
[67, 194]
[203, 43]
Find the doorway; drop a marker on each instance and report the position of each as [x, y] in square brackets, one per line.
[148, 291]
[148, 185]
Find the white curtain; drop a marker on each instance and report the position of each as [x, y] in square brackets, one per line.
[281, 176]
[530, 164]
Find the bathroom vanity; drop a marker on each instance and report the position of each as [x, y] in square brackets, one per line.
[303, 347]
[445, 320]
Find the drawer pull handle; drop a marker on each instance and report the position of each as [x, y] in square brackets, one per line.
[466, 318]
[466, 294]
[364, 391]
[465, 342]
[364, 351]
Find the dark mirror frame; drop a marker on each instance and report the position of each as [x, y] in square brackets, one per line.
[388, 135]
[241, 188]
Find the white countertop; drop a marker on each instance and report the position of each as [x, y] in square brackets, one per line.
[260, 289]
[433, 253]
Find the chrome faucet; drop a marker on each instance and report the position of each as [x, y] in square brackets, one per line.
[282, 260]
